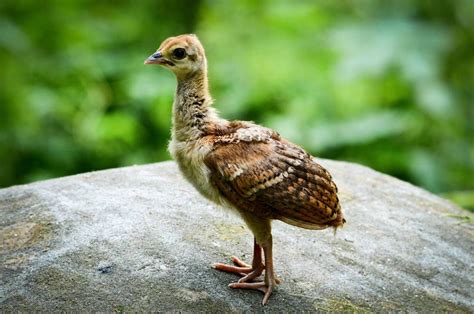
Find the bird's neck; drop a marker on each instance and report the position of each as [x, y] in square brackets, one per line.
[192, 110]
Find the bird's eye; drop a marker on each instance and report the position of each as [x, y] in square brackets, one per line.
[179, 53]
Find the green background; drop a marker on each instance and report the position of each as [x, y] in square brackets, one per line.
[388, 84]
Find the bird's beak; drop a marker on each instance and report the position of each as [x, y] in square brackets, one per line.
[156, 58]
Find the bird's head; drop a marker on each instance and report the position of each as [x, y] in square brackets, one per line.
[183, 55]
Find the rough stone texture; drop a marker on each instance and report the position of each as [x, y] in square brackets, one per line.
[141, 239]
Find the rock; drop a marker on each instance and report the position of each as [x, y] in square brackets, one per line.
[141, 239]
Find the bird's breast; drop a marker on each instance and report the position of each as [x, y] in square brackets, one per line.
[190, 157]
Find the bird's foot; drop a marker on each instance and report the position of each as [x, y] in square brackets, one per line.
[243, 269]
[260, 286]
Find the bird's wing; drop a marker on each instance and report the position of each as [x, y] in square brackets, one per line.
[273, 178]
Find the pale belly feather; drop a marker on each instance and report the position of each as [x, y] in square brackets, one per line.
[190, 158]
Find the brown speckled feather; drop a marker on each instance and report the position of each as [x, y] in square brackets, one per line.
[257, 171]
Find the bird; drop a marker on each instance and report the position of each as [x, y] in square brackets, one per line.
[242, 165]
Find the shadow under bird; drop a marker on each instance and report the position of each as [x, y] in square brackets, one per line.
[242, 165]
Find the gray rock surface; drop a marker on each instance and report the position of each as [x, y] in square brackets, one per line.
[141, 239]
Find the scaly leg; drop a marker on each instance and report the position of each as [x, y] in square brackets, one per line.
[248, 272]
[270, 281]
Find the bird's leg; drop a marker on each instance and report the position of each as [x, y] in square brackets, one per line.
[257, 263]
[248, 272]
[270, 281]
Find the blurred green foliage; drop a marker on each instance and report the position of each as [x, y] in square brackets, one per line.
[388, 84]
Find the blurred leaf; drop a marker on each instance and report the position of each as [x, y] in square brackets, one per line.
[464, 199]
[355, 131]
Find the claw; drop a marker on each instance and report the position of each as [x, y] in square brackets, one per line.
[238, 262]
[260, 286]
[243, 269]
[267, 295]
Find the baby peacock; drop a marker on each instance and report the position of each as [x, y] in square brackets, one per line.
[241, 165]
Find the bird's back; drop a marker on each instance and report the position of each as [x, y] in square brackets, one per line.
[259, 172]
